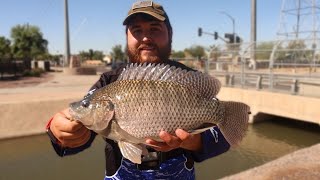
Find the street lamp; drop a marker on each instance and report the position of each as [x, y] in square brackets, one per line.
[233, 24]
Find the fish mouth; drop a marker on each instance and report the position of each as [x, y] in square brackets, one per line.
[74, 105]
[79, 112]
[74, 110]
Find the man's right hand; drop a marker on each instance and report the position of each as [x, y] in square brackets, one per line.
[69, 133]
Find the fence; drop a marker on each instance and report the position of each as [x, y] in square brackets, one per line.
[287, 66]
[9, 68]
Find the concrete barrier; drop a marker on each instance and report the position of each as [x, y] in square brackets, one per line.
[28, 118]
[302, 164]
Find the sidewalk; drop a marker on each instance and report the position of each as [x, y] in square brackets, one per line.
[62, 86]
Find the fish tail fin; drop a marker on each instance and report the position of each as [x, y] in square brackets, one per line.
[234, 122]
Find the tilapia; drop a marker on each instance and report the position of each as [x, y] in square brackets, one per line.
[148, 98]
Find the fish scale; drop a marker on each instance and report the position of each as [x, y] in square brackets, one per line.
[156, 106]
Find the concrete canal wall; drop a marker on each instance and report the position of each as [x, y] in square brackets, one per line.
[302, 164]
[25, 110]
[28, 118]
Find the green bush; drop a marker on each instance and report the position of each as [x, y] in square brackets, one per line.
[36, 72]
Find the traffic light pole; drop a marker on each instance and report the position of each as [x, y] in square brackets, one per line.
[215, 35]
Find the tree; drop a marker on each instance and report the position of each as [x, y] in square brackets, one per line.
[28, 42]
[91, 55]
[280, 53]
[98, 55]
[297, 51]
[5, 50]
[263, 50]
[196, 51]
[84, 55]
[117, 53]
[296, 44]
[177, 54]
[215, 52]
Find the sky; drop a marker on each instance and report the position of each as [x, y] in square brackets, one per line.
[97, 24]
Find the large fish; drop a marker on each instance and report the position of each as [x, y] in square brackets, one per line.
[149, 98]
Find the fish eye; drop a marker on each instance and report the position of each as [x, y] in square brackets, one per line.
[85, 103]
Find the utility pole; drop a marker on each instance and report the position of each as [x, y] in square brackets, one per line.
[253, 38]
[67, 40]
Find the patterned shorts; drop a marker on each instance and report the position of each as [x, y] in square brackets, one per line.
[174, 168]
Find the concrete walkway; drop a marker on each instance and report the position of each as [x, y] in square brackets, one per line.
[25, 111]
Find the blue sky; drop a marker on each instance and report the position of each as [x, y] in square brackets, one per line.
[97, 24]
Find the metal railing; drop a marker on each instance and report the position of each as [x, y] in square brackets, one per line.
[291, 66]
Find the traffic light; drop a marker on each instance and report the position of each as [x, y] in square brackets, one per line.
[199, 32]
[230, 37]
[238, 39]
[216, 35]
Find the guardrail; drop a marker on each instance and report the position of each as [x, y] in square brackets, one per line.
[291, 66]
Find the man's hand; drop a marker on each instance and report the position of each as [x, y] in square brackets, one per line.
[182, 139]
[69, 133]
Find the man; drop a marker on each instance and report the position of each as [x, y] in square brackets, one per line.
[149, 36]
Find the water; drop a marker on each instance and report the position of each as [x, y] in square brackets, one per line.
[33, 158]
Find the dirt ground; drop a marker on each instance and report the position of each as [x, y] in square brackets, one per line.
[10, 82]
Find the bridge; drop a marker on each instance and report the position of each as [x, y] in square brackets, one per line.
[264, 103]
[286, 85]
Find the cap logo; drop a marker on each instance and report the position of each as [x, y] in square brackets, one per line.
[141, 4]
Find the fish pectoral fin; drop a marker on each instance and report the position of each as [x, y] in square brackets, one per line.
[198, 131]
[131, 151]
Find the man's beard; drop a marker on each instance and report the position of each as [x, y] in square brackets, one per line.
[161, 55]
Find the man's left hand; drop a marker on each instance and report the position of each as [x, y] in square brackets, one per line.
[182, 139]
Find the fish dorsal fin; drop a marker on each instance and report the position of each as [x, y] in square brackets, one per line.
[203, 84]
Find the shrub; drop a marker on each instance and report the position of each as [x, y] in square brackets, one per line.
[36, 72]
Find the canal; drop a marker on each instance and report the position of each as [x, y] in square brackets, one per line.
[33, 158]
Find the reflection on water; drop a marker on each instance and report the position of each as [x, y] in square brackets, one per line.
[33, 157]
[264, 142]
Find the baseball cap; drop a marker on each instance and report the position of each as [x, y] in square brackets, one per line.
[147, 7]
